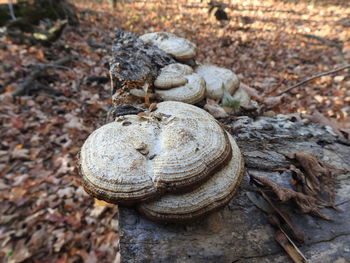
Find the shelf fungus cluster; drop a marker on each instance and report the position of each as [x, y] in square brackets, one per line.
[174, 164]
[174, 75]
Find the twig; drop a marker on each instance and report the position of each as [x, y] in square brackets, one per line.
[36, 73]
[325, 41]
[314, 77]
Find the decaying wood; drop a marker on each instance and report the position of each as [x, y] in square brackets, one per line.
[241, 232]
[135, 63]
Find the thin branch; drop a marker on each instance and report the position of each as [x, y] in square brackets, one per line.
[44, 66]
[314, 77]
[325, 41]
[12, 13]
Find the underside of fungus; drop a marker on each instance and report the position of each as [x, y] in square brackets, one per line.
[137, 158]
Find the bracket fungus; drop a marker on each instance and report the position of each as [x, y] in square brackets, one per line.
[215, 78]
[172, 75]
[178, 82]
[178, 47]
[212, 194]
[138, 158]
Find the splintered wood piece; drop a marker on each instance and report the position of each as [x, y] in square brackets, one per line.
[134, 62]
[291, 249]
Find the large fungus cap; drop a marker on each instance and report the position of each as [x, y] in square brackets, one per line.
[180, 48]
[192, 92]
[216, 78]
[137, 158]
[214, 193]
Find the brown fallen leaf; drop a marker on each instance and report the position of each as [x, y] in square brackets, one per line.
[20, 153]
[100, 207]
[268, 101]
[299, 181]
[282, 221]
[21, 252]
[272, 102]
[252, 92]
[346, 133]
[214, 109]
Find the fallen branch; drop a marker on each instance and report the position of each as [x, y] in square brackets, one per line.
[12, 13]
[325, 41]
[314, 77]
[36, 73]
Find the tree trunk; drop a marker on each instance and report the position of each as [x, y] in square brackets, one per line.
[240, 232]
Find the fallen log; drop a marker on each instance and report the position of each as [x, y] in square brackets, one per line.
[240, 232]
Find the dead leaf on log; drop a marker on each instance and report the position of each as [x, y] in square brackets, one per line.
[319, 176]
[99, 208]
[307, 204]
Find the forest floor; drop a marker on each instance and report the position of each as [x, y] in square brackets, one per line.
[45, 214]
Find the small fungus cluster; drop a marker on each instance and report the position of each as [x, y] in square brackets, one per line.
[181, 82]
[173, 75]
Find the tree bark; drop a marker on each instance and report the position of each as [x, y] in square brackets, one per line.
[240, 232]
